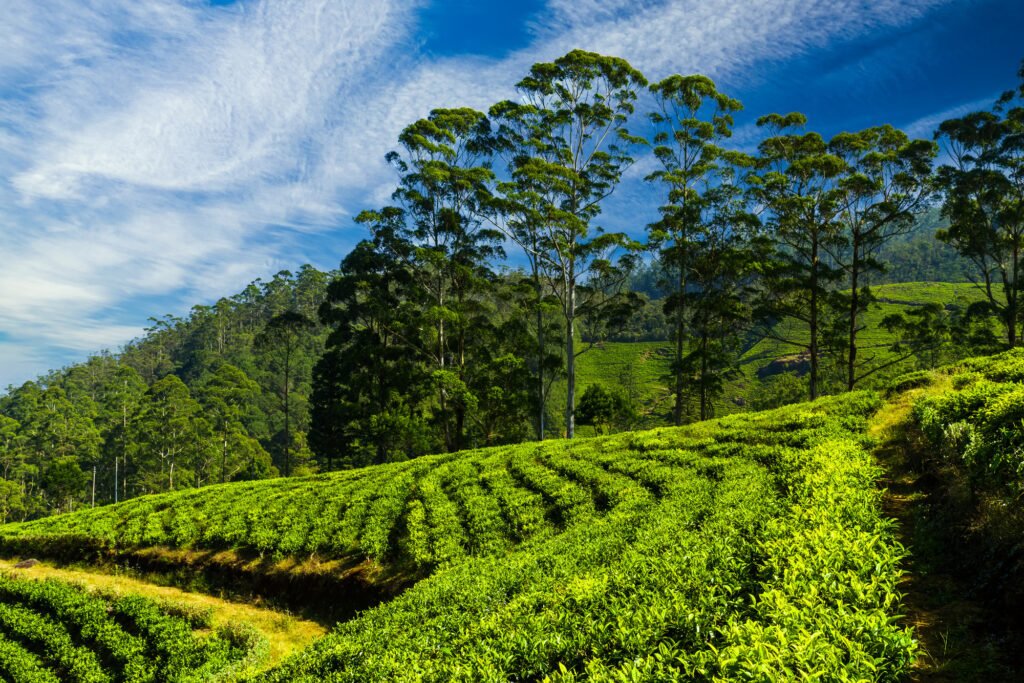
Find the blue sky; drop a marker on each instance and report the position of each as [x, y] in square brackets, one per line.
[155, 154]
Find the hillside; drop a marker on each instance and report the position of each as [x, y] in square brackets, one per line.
[709, 551]
[624, 556]
[770, 356]
[643, 368]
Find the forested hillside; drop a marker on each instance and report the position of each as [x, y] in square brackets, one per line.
[486, 305]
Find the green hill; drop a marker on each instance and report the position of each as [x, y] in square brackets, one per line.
[618, 558]
[644, 367]
[874, 339]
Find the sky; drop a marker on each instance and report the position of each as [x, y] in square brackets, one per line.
[157, 154]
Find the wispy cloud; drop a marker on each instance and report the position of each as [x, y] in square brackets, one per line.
[925, 126]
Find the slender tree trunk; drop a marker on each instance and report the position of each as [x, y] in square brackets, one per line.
[460, 407]
[1012, 314]
[442, 397]
[287, 415]
[570, 358]
[680, 333]
[814, 320]
[705, 408]
[851, 361]
[124, 445]
[538, 288]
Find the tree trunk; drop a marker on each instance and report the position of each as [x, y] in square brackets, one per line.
[287, 416]
[680, 332]
[460, 407]
[705, 408]
[813, 348]
[570, 360]
[540, 354]
[851, 361]
[1012, 314]
[442, 397]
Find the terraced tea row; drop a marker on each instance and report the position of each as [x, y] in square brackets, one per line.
[55, 631]
[425, 512]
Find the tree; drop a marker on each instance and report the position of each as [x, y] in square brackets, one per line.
[691, 120]
[723, 264]
[983, 199]
[226, 397]
[12, 454]
[519, 209]
[444, 176]
[575, 109]
[282, 339]
[886, 183]
[934, 334]
[167, 436]
[604, 408]
[12, 500]
[368, 388]
[63, 480]
[798, 184]
[121, 401]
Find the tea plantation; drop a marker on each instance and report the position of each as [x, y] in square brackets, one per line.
[747, 548]
[55, 631]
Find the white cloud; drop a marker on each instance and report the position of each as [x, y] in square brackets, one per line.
[925, 126]
[721, 38]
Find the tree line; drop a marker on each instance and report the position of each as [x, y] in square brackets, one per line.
[488, 274]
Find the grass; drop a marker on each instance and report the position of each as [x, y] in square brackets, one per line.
[638, 367]
[873, 340]
[630, 557]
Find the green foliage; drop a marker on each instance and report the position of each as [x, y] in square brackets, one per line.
[778, 390]
[983, 199]
[68, 633]
[979, 427]
[916, 256]
[908, 381]
[705, 236]
[605, 408]
[98, 413]
[424, 343]
[750, 547]
[568, 145]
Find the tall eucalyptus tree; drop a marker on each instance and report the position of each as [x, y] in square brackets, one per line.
[691, 120]
[886, 183]
[575, 111]
[798, 183]
[983, 190]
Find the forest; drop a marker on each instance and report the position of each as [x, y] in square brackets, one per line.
[463, 317]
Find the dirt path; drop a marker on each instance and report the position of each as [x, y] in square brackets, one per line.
[287, 633]
[954, 630]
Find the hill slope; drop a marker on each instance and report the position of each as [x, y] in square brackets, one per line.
[623, 557]
[643, 367]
